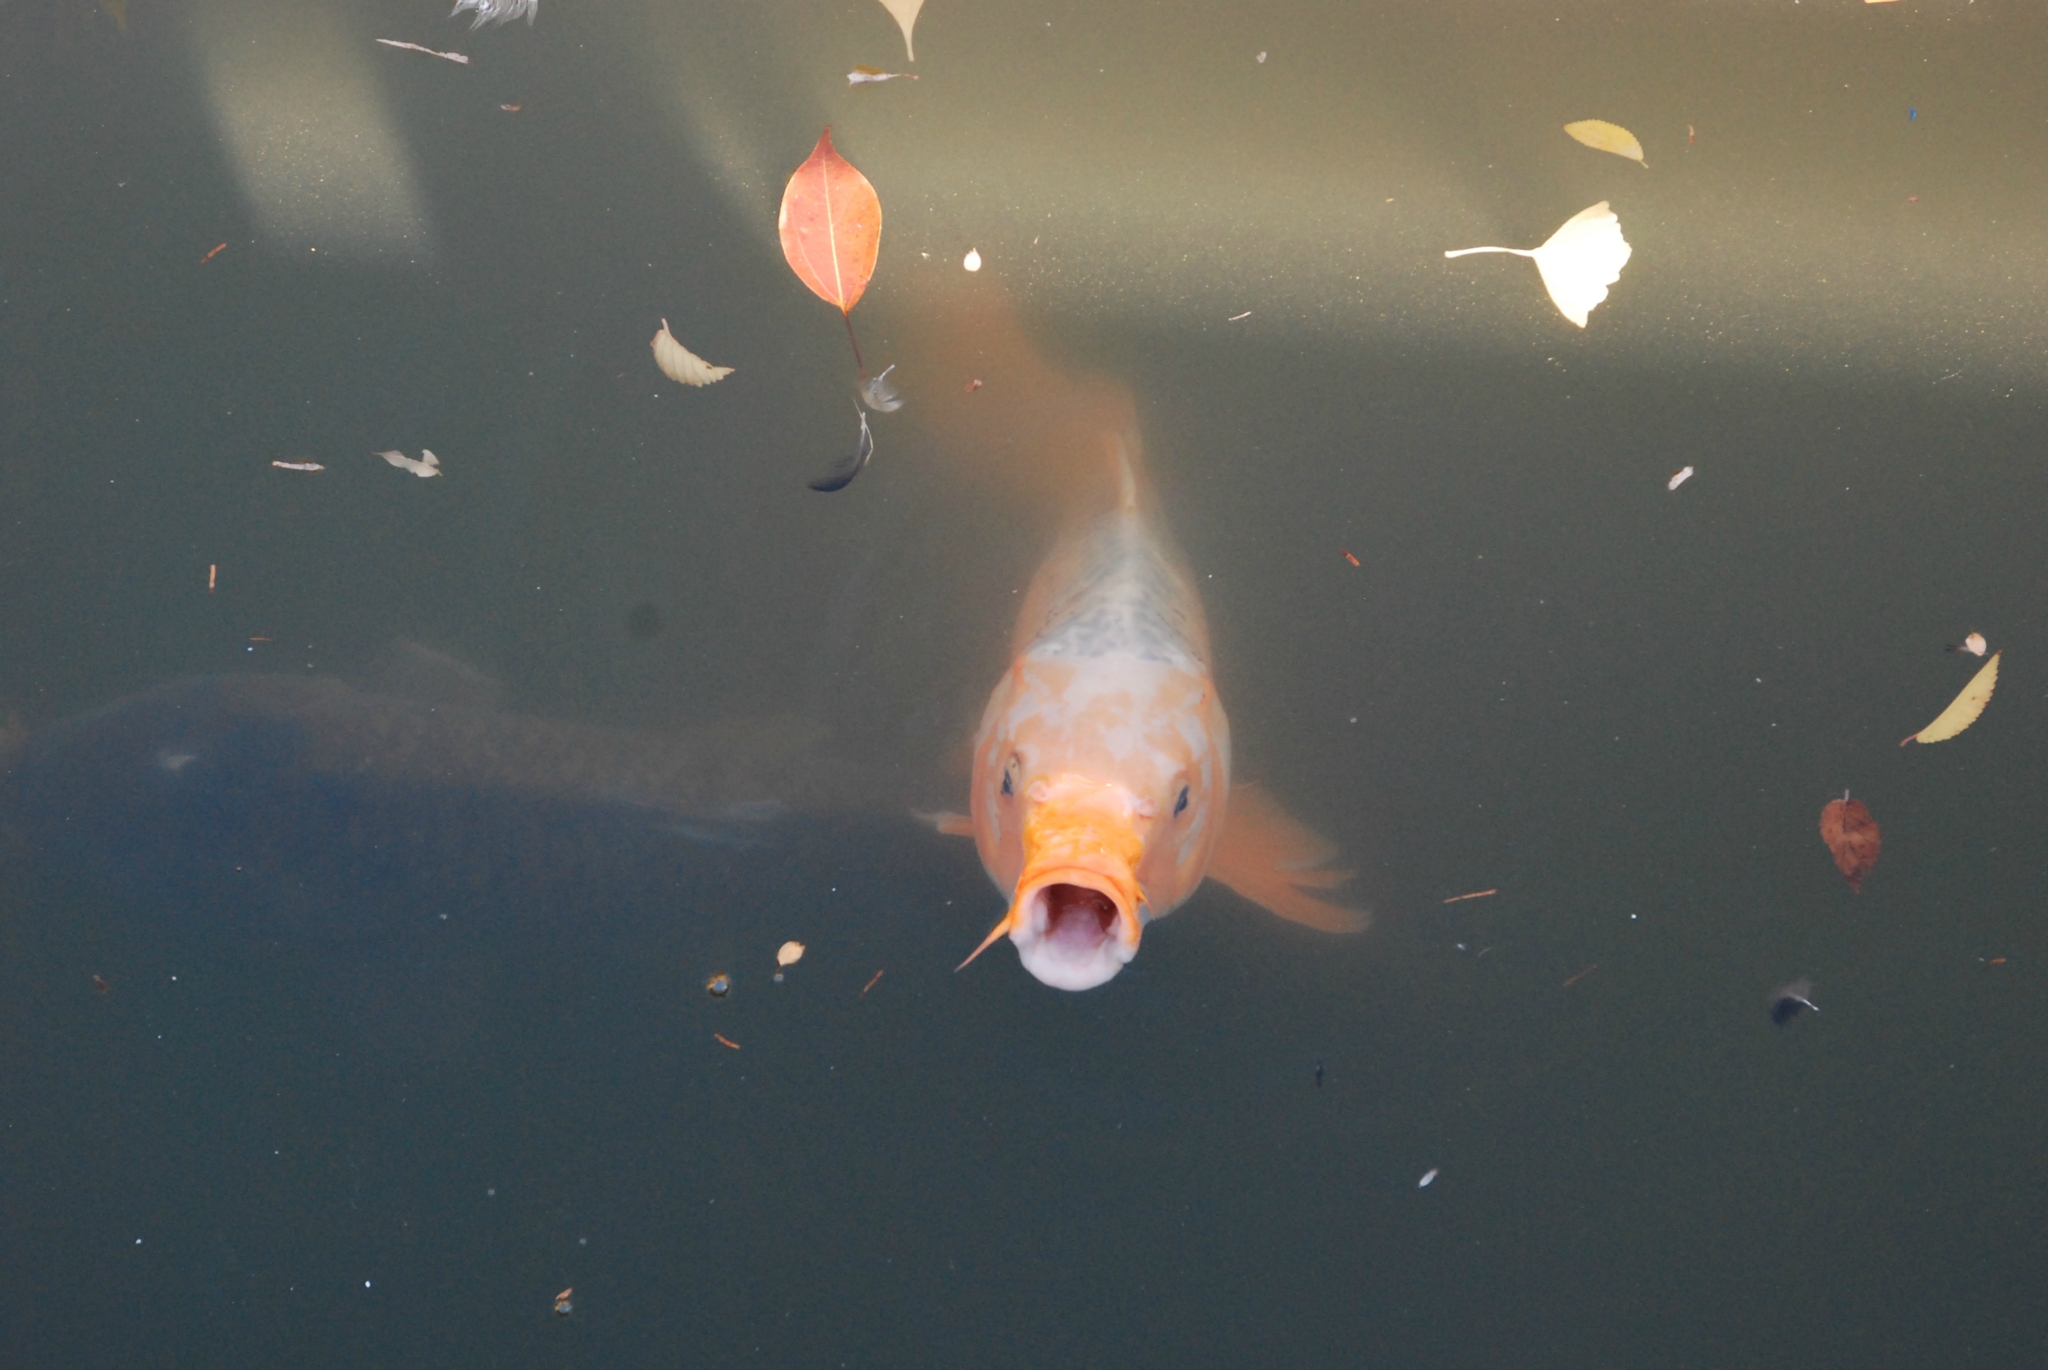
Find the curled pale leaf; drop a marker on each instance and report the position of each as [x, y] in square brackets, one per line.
[1602, 136]
[679, 363]
[1579, 261]
[905, 12]
[1965, 708]
[1852, 835]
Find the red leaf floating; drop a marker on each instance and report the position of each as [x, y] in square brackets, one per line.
[831, 226]
[1851, 834]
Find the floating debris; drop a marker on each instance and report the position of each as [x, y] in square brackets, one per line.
[680, 364]
[298, 466]
[1852, 835]
[789, 953]
[1476, 894]
[1578, 262]
[724, 1040]
[879, 392]
[1974, 644]
[841, 476]
[427, 465]
[1678, 478]
[867, 76]
[1964, 709]
[972, 261]
[415, 47]
[211, 255]
[905, 12]
[1427, 1177]
[719, 985]
[869, 985]
[563, 1304]
[1788, 1000]
[496, 11]
[1602, 136]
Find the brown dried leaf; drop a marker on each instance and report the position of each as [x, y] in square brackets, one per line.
[1851, 834]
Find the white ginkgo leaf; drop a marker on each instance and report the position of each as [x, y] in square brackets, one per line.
[679, 363]
[1578, 263]
[906, 19]
[427, 465]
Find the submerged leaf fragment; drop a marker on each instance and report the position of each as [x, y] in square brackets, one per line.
[879, 392]
[1602, 136]
[1964, 709]
[841, 475]
[1787, 1000]
[679, 363]
[1579, 261]
[1852, 835]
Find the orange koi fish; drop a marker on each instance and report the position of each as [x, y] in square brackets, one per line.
[1102, 793]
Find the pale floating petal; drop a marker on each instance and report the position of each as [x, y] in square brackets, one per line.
[1678, 478]
[972, 261]
[1974, 644]
[789, 953]
[427, 465]
[906, 19]
[1966, 707]
[1602, 136]
[680, 364]
[1578, 263]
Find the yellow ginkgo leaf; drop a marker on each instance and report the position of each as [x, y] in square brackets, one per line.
[906, 19]
[1963, 712]
[1602, 136]
[1578, 263]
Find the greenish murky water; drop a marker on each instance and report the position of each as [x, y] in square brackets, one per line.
[404, 854]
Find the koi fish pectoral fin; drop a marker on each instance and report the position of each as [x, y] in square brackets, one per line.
[949, 824]
[1267, 856]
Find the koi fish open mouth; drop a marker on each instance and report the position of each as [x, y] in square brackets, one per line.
[1074, 929]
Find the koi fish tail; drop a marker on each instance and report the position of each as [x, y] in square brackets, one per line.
[1269, 858]
[996, 407]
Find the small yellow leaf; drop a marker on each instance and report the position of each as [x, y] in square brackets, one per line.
[906, 19]
[1602, 136]
[1967, 706]
[789, 953]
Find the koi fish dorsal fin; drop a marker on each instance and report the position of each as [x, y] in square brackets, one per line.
[947, 824]
[1266, 856]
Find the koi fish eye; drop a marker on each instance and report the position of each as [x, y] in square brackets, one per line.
[1010, 779]
[1180, 805]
